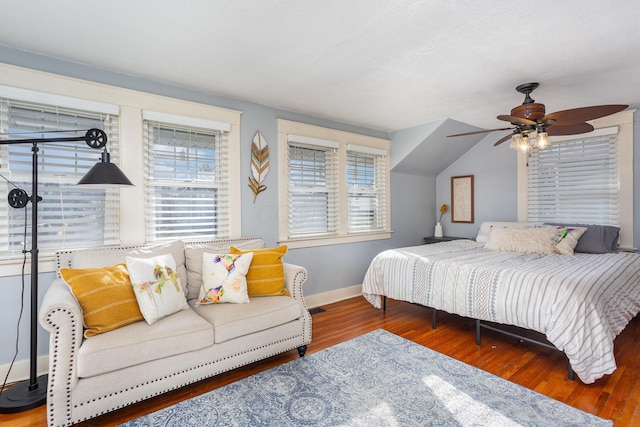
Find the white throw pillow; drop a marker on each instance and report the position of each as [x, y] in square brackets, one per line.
[567, 239]
[157, 286]
[527, 240]
[224, 278]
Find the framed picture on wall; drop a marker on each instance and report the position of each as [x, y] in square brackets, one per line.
[462, 198]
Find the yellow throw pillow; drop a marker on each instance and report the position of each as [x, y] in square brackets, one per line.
[105, 295]
[266, 273]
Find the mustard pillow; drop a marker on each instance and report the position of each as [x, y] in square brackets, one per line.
[266, 273]
[105, 295]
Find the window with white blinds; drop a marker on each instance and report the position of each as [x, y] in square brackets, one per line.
[187, 182]
[334, 185]
[366, 187]
[575, 180]
[313, 190]
[68, 215]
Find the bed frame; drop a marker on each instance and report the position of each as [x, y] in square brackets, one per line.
[495, 328]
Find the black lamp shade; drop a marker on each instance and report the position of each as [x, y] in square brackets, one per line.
[104, 173]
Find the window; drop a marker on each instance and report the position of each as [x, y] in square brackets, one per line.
[575, 180]
[333, 186]
[571, 169]
[313, 190]
[68, 215]
[366, 186]
[186, 179]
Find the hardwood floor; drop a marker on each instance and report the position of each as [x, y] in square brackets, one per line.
[615, 397]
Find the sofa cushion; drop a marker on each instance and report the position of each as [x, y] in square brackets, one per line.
[224, 278]
[156, 286]
[105, 296]
[139, 342]
[231, 321]
[193, 255]
[266, 274]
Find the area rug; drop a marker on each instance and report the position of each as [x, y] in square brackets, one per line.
[377, 379]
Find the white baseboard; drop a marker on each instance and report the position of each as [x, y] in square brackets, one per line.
[333, 296]
[20, 369]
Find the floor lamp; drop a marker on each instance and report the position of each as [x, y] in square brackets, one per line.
[32, 393]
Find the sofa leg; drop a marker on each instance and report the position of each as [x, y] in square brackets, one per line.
[302, 350]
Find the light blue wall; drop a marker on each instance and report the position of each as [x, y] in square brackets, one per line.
[495, 181]
[330, 267]
[494, 171]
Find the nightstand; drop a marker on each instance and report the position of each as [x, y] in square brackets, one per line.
[429, 240]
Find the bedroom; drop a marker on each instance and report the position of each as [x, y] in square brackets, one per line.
[415, 196]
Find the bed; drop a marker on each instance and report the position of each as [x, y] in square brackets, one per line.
[579, 302]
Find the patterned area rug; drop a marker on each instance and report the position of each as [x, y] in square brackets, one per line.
[377, 379]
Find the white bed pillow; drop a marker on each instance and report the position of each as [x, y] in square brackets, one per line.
[541, 240]
[487, 226]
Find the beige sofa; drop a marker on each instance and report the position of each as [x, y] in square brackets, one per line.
[91, 376]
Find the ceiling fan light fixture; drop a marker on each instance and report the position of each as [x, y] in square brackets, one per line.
[516, 139]
[520, 141]
[525, 145]
[542, 140]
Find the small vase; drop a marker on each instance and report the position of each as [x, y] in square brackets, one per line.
[438, 231]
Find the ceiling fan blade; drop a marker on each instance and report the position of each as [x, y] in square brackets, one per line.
[574, 129]
[478, 131]
[516, 120]
[501, 140]
[579, 115]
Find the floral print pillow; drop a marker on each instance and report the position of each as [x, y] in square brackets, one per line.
[224, 278]
[157, 286]
[567, 239]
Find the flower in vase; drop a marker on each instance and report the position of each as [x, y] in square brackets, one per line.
[443, 209]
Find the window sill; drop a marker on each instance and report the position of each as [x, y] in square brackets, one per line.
[334, 240]
[13, 267]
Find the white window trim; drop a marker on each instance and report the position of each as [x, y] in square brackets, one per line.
[131, 105]
[326, 137]
[624, 121]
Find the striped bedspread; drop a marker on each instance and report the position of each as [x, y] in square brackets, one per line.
[581, 302]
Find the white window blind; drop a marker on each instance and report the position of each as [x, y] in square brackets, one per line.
[186, 182]
[68, 216]
[366, 189]
[576, 181]
[313, 193]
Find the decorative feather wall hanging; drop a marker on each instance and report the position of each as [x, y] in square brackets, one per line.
[259, 164]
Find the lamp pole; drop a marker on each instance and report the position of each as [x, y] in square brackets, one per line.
[30, 394]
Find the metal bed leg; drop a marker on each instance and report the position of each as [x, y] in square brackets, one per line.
[571, 375]
[384, 303]
[433, 319]
[477, 332]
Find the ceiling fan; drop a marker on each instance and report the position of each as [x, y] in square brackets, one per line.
[530, 117]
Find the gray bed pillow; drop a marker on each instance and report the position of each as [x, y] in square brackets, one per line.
[598, 239]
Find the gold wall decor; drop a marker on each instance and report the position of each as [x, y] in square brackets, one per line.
[259, 164]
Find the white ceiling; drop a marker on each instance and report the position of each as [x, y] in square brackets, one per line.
[381, 64]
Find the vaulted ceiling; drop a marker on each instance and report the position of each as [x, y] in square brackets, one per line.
[381, 64]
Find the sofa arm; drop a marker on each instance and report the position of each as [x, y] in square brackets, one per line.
[61, 316]
[295, 276]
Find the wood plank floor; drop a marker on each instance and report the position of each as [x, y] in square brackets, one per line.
[616, 397]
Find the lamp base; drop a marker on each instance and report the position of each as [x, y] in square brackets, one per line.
[19, 397]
